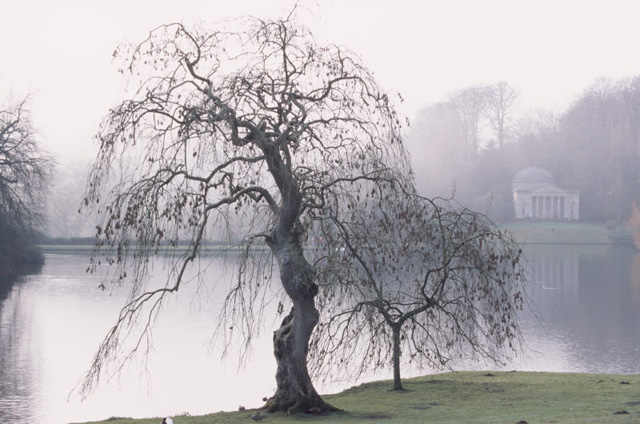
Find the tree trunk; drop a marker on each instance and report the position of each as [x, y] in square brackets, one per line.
[397, 383]
[295, 391]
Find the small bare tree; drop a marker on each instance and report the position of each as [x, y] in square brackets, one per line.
[23, 173]
[419, 276]
[256, 132]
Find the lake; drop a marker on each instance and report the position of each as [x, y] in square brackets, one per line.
[587, 299]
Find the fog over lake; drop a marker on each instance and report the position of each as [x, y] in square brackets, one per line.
[478, 92]
[587, 297]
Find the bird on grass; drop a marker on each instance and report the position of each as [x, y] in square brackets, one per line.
[167, 420]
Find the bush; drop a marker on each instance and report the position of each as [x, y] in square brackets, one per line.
[621, 235]
[18, 252]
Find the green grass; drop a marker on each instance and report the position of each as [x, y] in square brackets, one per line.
[468, 397]
[524, 232]
[558, 232]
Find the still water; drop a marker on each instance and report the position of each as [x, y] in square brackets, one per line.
[587, 299]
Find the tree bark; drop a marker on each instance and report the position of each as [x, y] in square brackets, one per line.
[295, 391]
[397, 383]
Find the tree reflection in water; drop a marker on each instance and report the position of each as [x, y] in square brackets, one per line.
[634, 280]
[16, 368]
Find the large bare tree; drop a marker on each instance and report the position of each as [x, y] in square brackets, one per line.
[421, 276]
[257, 133]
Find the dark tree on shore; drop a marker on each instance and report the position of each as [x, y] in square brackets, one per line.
[258, 134]
[418, 276]
[23, 171]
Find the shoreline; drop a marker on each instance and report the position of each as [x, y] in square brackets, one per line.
[504, 397]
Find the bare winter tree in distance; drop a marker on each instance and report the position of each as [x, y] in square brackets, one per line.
[423, 277]
[470, 105]
[24, 168]
[259, 128]
[498, 109]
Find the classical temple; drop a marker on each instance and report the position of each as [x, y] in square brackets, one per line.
[536, 196]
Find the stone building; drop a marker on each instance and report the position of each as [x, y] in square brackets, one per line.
[536, 196]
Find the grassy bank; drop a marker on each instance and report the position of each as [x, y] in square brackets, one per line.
[524, 232]
[469, 397]
[559, 232]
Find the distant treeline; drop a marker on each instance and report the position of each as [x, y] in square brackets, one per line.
[90, 242]
[63, 241]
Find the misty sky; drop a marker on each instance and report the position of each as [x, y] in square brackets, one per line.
[60, 51]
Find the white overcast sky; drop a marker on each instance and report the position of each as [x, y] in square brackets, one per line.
[59, 52]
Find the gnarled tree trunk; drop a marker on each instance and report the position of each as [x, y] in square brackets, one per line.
[295, 391]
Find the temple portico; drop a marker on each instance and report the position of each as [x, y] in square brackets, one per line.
[536, 196]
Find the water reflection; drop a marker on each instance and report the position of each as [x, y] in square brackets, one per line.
[589, 304]
[16, 369]
[588, 298]
[634, 280]
[53, 323]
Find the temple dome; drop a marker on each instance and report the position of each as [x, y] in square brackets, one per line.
[533, 175]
